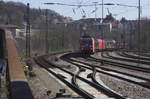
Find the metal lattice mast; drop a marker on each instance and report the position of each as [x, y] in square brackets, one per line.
[102, 24]
[46, 34]
[139, 27]
[28, 31]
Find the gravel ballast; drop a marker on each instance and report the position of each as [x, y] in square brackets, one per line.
[126, 89]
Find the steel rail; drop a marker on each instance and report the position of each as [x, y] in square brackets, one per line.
[146, 55]
[132, 56]
[122, 65]
[107, 69]
[84, 94]
[125, 79]
[128, 60]
[99, 87]
[75, 83]
[106, 91]
[143, 53]
[96, 86]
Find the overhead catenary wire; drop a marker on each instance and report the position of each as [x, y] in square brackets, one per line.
[87, 5]
[126, 5]
[80, 5]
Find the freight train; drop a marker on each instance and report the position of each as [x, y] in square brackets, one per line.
[89, 45]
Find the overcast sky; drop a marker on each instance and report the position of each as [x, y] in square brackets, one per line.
[117, 11]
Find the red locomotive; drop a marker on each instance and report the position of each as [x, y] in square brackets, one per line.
[89, 44]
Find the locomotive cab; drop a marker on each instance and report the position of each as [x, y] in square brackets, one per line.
[87, 45]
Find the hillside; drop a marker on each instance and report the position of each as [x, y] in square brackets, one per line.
[9, 14]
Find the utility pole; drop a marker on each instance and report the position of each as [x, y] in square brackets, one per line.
[124, 40]
[121, 41]
[102, 25]
[95, 3]
[28, 31]
[139, 27]
[102, 10]
[64, 27]
[64, 35]
[80, 28]
[130, 41]
[46, 34]
[145, 42]
[123, 22]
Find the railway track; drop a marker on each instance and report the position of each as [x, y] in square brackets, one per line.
[107, 69]
[99, 86]
[145, 55]
[107, 91]
[40, 61]
[124, 54]
[75, 62]
[92, 84]
[142, 53]
[122, 65]
[85, 84]
[127, 60]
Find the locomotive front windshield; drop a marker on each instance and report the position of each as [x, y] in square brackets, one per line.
[86, 42]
